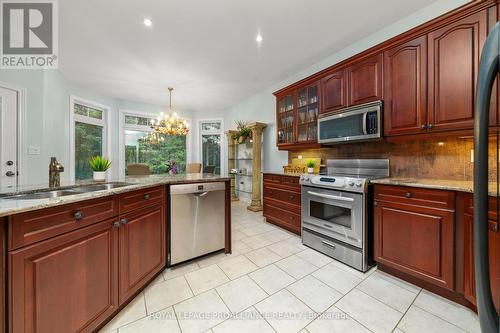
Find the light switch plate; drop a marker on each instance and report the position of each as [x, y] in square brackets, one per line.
[33, 150]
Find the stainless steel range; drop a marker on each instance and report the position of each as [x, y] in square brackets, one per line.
[336, 217]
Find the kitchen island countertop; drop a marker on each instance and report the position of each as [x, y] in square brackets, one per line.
[10, 206]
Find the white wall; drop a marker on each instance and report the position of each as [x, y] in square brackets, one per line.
[47, 113]
[261, 106]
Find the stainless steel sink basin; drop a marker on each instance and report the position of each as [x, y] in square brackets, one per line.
[99, 187]
[62, 193]
[41, 195]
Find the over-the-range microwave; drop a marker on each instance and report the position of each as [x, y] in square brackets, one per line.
[360, 122]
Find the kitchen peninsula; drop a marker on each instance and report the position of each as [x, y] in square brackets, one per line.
[92, 244]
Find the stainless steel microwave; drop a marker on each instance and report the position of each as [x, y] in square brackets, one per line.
[360, 122]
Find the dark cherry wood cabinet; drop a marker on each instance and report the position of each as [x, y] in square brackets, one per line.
[71, 267]
[365, 80]
[414, 232]
[282, 201]
[307, 114]
[286, 119]
[142, 248]
[469, 288]
[453, 63]
[405, 88]
[65, 284]
[334, 91]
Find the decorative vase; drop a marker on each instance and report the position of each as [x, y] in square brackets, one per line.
[242, 139]
[310, 170]
[99, 176]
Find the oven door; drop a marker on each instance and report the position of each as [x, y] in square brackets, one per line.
[337, 214]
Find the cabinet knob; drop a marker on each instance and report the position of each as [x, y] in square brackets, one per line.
[123, 221]
[423, 127]
[146, 196]
[78, 215]
[494, 227]
[431, 126]
[375, 203]
[116, 224]
[408, 194]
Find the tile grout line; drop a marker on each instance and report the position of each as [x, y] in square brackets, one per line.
[399, 321]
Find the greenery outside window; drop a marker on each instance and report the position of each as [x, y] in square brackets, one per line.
[211, 134]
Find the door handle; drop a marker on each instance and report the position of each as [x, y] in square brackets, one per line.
[332, 197]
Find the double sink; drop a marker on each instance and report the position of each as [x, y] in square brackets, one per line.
[64, 192]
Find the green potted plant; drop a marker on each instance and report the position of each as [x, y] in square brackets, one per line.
[100, 166]
[310, 166]
[244, 132]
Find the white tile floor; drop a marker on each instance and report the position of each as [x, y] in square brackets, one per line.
[272, 283]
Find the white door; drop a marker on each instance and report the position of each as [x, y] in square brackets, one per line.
[8, 137]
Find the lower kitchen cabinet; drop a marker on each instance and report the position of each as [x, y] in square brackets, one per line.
[469, 287]
[282, 201]
[142, 248]
[414, 233]
[65, 284]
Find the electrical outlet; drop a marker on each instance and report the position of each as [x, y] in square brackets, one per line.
[33, 150]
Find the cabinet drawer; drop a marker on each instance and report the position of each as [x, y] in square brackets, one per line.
[138, 199]
[288, 197]
[31, 227]
[272, 178]
[289, 219]
[492, 206]
[291, 181]
[416, 196]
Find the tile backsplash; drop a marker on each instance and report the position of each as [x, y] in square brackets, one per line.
[440, 159]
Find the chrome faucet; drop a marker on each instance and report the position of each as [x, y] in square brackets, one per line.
[55, 168]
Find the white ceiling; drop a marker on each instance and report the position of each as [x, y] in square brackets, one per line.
[206, 49]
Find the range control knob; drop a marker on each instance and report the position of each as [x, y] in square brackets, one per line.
[358, 184]
[306, 178]
[351, 183]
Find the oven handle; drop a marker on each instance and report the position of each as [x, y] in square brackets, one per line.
[333, 197]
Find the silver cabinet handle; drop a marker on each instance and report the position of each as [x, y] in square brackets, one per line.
[328, 244]
[333, 197]
[116, 224]
[123, 221]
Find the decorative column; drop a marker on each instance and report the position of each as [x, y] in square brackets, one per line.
[257, 128]
[231, 162]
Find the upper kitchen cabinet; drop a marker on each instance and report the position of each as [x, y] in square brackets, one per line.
[334, 91]
[453, 61]
[286, 119]
[405, 88]
[365, 80]
[307, 114]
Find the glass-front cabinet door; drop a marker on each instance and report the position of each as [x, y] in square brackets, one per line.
[286, 117]
[307, 114]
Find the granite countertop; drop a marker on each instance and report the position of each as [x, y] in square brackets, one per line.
[440, 184]
[10, 207]
[282, 173]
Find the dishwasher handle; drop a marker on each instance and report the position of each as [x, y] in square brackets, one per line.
[200, 194]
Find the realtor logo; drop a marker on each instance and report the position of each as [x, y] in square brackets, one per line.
[29, 34]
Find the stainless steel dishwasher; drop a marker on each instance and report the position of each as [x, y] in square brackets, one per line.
[197, 216]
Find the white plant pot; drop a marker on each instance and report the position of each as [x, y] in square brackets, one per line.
[310, 170]
[100, 176]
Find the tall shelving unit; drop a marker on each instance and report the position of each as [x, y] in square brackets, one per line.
[246, 159]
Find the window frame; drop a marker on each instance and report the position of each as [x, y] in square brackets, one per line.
[220, 132]
[123, 126]
[104, 122]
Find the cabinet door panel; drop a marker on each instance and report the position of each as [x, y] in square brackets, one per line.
[494, 256]
[454, 52]
[142, 248]
[65, 284]
[416, 240]
[365, 80]
[405, 88]
[334, 91]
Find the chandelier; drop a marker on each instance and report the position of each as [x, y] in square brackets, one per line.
[170, 124]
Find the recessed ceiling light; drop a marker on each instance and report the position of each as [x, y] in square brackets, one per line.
[147, 22]
[258, 38]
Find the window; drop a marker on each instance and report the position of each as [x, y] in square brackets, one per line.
[211, 144]
[89, 130]
[142, 145]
